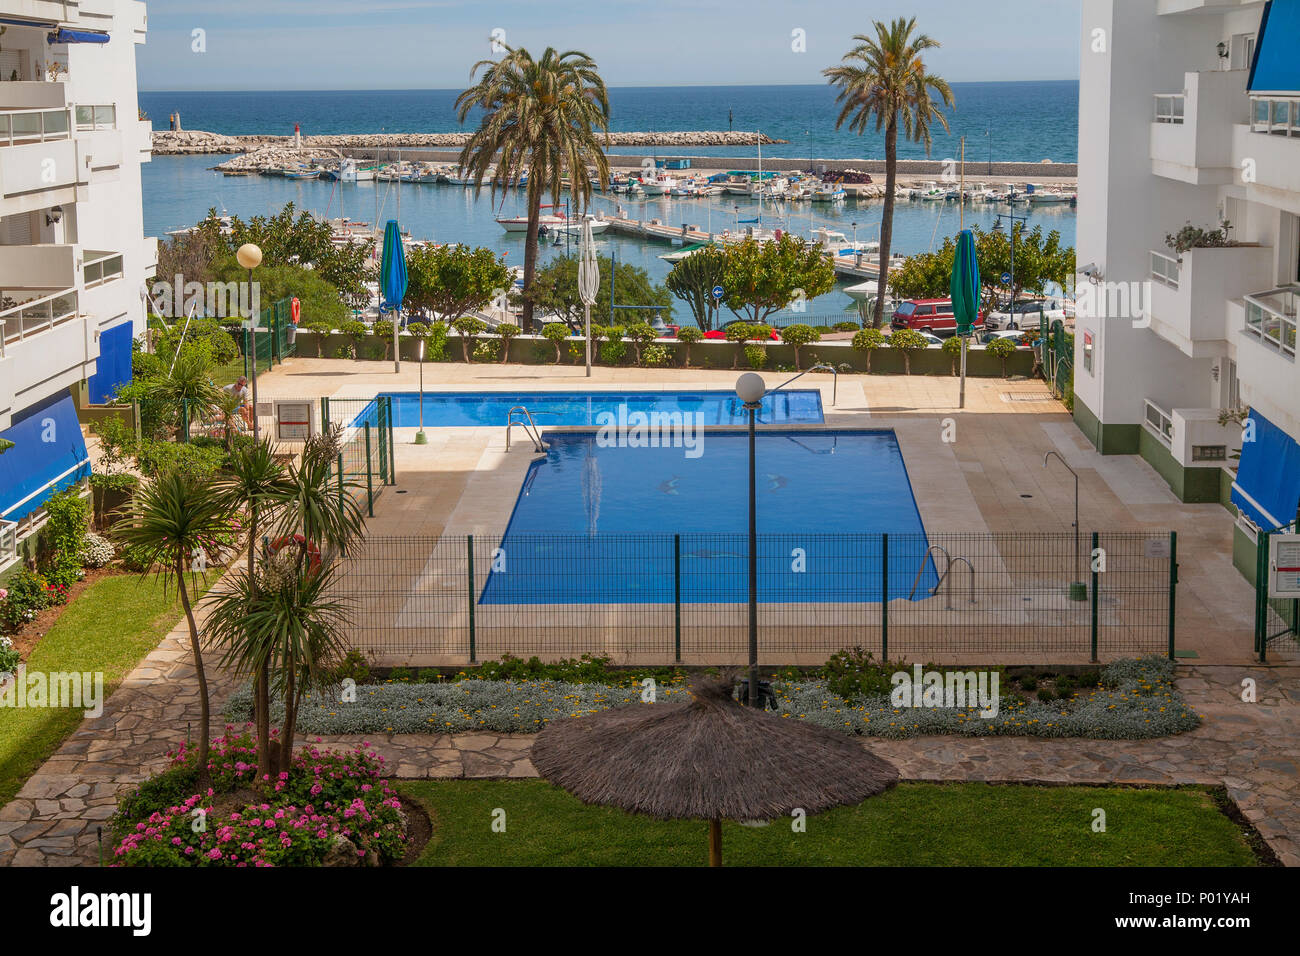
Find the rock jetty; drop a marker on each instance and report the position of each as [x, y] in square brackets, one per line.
[192, 142]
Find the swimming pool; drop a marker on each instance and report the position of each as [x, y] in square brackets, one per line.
[597, 525]
[444, 409]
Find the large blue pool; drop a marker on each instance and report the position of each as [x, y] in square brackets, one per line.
[441, 409]
[596, 525]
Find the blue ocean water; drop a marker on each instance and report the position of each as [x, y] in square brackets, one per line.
[1021, 121]
[795, 407]
[595, 525]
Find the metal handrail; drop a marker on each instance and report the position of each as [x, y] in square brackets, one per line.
[528, 425]
[947, 576]
[815, 368]
[921, 570]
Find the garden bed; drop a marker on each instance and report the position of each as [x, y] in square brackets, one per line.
[1135, 699]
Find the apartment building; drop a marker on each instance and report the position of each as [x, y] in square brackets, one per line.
[73, 255]
[1189, 113]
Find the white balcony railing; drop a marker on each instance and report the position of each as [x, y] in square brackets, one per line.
[1278, 116]
[101, 267]
[27, 312]
[96, 117]
[21, 127]
[1171, 108]
[8, 542]
[1271, 318]
[1165, 269]
[1160, 423]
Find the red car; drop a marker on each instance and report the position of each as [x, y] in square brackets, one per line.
[927, 315]
[722, 333]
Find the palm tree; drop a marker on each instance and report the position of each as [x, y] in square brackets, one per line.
[884, 79]
[546, 115]
[252, 483]
[188, 387]
[172, 521]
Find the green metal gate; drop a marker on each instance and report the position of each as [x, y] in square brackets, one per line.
[368, 451]
[273, 340]
[1275, 618]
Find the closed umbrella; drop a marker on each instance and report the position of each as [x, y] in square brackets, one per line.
[708, 759]
[392, 282]
[588, 282]
[965, 290]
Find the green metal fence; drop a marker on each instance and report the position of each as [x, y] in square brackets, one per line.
[664, 598]
[1056, 357]
[1277, 620]
[368, 457]
[273, 340]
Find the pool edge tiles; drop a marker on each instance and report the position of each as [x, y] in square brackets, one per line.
[548, 557]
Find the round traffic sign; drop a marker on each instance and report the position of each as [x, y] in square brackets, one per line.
[1006, 278]
[718, 292]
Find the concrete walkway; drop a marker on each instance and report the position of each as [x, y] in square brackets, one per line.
[1251, 749]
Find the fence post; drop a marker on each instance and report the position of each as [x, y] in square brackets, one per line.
[370, 488]
[469, 546]
[677, 598]
[884, 598]
[381, 415]
[392, 453]
[340, 479]
[1173, 587]
[1096, 582]
[1261, 596]
[324, 413]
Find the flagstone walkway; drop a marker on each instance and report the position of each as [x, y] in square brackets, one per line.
[1252, 749]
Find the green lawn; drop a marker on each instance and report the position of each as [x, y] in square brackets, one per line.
[109, 628]
[912, 825]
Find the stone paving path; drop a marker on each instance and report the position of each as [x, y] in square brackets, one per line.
[1251, 749]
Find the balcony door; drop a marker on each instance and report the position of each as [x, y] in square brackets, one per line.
[1243, 51]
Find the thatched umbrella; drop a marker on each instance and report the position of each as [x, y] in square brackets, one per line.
[707, 759]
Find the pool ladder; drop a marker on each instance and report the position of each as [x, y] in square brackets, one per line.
[946, 577]
[524, 421]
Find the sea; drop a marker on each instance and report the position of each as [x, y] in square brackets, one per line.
[1020, 121]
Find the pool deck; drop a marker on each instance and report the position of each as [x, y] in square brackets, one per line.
[978, 469]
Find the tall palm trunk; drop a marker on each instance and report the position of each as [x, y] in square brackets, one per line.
[197, 650]
[262, 680]
[530, 250]
[290, 718]
[887, 220]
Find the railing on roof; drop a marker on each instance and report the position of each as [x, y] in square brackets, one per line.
[1271, 318]
[22, 319]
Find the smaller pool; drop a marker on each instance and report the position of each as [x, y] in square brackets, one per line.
[549, 409]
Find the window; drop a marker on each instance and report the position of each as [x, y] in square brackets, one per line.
[1209, 453]
[1088, 346]
[1243, 51]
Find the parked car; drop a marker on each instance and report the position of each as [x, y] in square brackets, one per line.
[1025, 314]
[722, 332]
[927, 315]
[930, 337]
[1013, 335]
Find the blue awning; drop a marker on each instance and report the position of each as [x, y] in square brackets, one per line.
[1277, 68]
[1267, 488]
[113, 367]
[76, 36]
[49, 454]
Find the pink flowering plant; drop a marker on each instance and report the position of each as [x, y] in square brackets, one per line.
[326, 804]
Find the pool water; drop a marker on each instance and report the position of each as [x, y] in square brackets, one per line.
[444, 409]
[596, 525]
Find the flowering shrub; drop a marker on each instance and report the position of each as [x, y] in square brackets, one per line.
[27, 596]
[1137, 699]
[9, 658]
[328, 806]
[97, 551]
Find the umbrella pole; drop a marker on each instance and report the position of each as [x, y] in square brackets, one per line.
[962, 401]
[586, 326]
[715, 842]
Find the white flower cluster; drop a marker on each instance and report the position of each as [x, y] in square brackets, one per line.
[97, 551]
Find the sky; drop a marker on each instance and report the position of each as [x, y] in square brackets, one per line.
[433, 44]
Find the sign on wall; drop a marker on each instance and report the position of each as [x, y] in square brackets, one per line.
[1284, 566]
[294, 421]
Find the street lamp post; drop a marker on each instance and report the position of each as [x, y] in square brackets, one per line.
[250, 257]
[750, 389]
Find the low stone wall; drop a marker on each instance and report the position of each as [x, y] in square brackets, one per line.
[710, 354]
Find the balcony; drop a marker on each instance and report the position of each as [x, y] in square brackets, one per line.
[23, 127]
[26, 313]
[1187, 304]
[1271, 320]
[1190, 139]
[32, 95]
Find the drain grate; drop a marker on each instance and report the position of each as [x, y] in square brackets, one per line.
[1026, 397]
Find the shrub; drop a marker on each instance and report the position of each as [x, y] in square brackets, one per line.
[613, 353]
[9, 658]
[435, 338]
[952, 348]
[486, 351]
[846, 326]
[555, 333]
[867, 341]
[641, 334]
[26, 595]
[1002, 348]
[687, 335]
[506, 331]
[854, 673]
[1028, 682]
[756, 355]
[799, 336]
[64, 537]
[200, 457]
[354, 666]
[656, 356]
[327, 805]
[908, 341]
[97, 551]
[467, 327]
